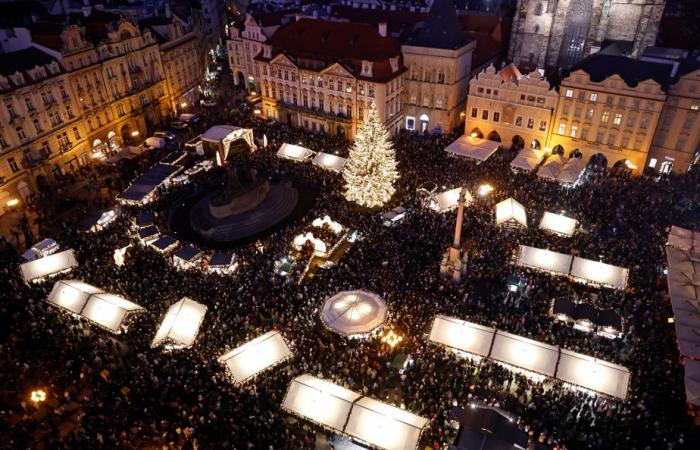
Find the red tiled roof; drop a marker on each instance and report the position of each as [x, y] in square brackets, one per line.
[342, 42]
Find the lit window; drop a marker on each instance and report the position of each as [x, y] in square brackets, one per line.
[574, 129]
[618, 119]
[496, 116]
[605, 117]
[562, 128]
[485, 114]
[569, 93]
[652, 162]
[474, 112]
[594, 97]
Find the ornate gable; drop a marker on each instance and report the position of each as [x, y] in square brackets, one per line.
[283, 60]
[336, 70]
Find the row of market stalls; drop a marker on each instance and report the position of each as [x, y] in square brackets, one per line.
[510, 211]
[142, 190]
[531, 356]
[555, 168]
[683, 256]
[365, 420]
[583, 270]
[473, 148]
[586, 317]
[323, 160]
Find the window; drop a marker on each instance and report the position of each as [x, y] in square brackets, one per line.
[538, 9]
[531, 123]
[37, 126]
[577, 112]
[680, 144]
[695, 106]
[644, 123]
[688, 122]
[593, 97]
[371, 90]
[611, 139]
[3, 142]
[120, 110]
[617, 120]
[305, 101]
[496, 116]
[474, 112]
[410, 123]
[599, 137]
[438, 101]
[569, 93]
[565, 110]
[360, 112]
[485, 114]
[45, 149]
[11, 110]
[605, 117]
[480, 90]
[574, 129]
[69, 112]
[562, 128]
[652, 162]
[584, 134]
[519, 121]
[630, 121]
[76, 133]
[14, 167]
[543, 125]
[625, 141]
[348, 111]
[589, 113]
[20, 133]
[609, 100]
[30, 105]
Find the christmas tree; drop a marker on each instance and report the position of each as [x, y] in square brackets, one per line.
[370, 171]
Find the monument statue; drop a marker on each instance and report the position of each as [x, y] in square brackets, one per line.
[454, 262]
[242, 192]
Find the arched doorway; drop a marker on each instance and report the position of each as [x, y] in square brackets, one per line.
[598, 161]
[518, 142]
[557, 150]
[623, 167]
[424, 121]
[240, 78]
[476, 133]
[535, 144]
[126, 133]
[494, 136]
[112, 141]
[23, 190]
[576, 153]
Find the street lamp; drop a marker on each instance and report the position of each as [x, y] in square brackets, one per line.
[37, 396]
[485, 189]
[11, 203]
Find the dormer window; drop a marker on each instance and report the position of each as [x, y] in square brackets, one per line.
[267, 51]
[394, 62]
[367, 69]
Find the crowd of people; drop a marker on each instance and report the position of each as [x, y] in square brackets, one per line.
[131, 396]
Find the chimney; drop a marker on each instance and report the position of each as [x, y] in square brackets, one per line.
[382, 29]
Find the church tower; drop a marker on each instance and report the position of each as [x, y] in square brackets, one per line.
[562, 32]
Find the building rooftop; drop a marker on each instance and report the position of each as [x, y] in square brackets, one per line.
[441, 28]
[600, 66]
[23, 60]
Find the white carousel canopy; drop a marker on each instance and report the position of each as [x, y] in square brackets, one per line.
[510, 210]
[599, 273]
[594, 374]
[384, 426]
[354, 312]
[48, 265]
[473, 147]
[542, 259]
[329, 161]
[319, 401]
[448, 200]
[294, 152]
[559, 224]
[253, 357]
[89, 302]
[462, 335]
[525, 353]
[180, 325]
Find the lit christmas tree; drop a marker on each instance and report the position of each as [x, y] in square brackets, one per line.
[370, 172]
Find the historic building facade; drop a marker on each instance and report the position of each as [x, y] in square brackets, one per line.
[438, 57]
[609, 107]
[323, 76]
[562, 32]
[507, 106]
[676, 143]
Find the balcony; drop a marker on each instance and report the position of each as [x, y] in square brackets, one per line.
[65, 146]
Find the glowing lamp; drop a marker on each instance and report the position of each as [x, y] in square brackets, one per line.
[485, 189]
[135, 133]
[257, 111]
[12, 202]
[630, 165]
[474, 134]
[183, 104]
[38, 396]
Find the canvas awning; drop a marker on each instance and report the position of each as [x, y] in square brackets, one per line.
[682, 260]
[384, 426]
[527, 159]
[599, 273]
[294, 152]
[48, 265]
[692, 382]
[591, 373]
[462, 335]
[551, 168]
[684, 239]
[180, 325]
[525, 353]
[559, 224]
[473, 148]
[510, 210]
[572, 171]
[255, 356]
[542, 259]
[329, 162]
[448, 200]
[165, 243]
[354, 312]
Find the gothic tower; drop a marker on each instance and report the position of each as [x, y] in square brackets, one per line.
[562, 32]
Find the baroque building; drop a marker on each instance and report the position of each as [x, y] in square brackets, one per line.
[560, 33]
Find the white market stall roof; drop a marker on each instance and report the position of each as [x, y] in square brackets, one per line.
[551, 168]
[344, 411]
[683, 260]
[692, 381]
[683, 284]
[527, 159]
[684, 239]
[180, 325]
[462, 335]
[594, 374]
[42, 248]
[473, 148]
[319, 401]
[384, 426]
[599, 273]
[294, 152]
[100, 221]
[542, 259]
[255, 356]
[217, 133]
[89, 302]
[510, 210]
[559, 224]
[525, 353]
[354, 312]
[572, 171]
[48, 265]
[448, 200]
[329, 162]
